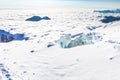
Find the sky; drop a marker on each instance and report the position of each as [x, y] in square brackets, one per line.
[60, 3]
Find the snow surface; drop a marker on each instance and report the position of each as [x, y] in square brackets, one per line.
[35, 60]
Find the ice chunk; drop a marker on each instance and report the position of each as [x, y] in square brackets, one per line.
[68, 41]
[64, 41]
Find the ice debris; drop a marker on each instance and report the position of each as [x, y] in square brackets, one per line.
[68, 41]
[7, 36]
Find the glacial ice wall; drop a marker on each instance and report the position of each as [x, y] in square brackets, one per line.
[68, 41]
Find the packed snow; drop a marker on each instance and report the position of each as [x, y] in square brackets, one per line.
[74, 44]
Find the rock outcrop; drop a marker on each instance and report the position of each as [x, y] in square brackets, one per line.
[38, 18]
[7, 37]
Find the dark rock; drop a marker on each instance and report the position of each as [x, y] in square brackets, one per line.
[37, 18]
[34, 18]
[9, 79]
[111, 58]
[50, 44]
[33, 73]
[24, 71]
[32, 51]
[108, 19]
[4, 70]
[108, 11]
[7, 37]
[46, 18]
[7, 75]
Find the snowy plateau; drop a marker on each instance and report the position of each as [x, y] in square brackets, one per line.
[60, 44]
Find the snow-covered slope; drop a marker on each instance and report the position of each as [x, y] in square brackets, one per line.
[33, 60]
